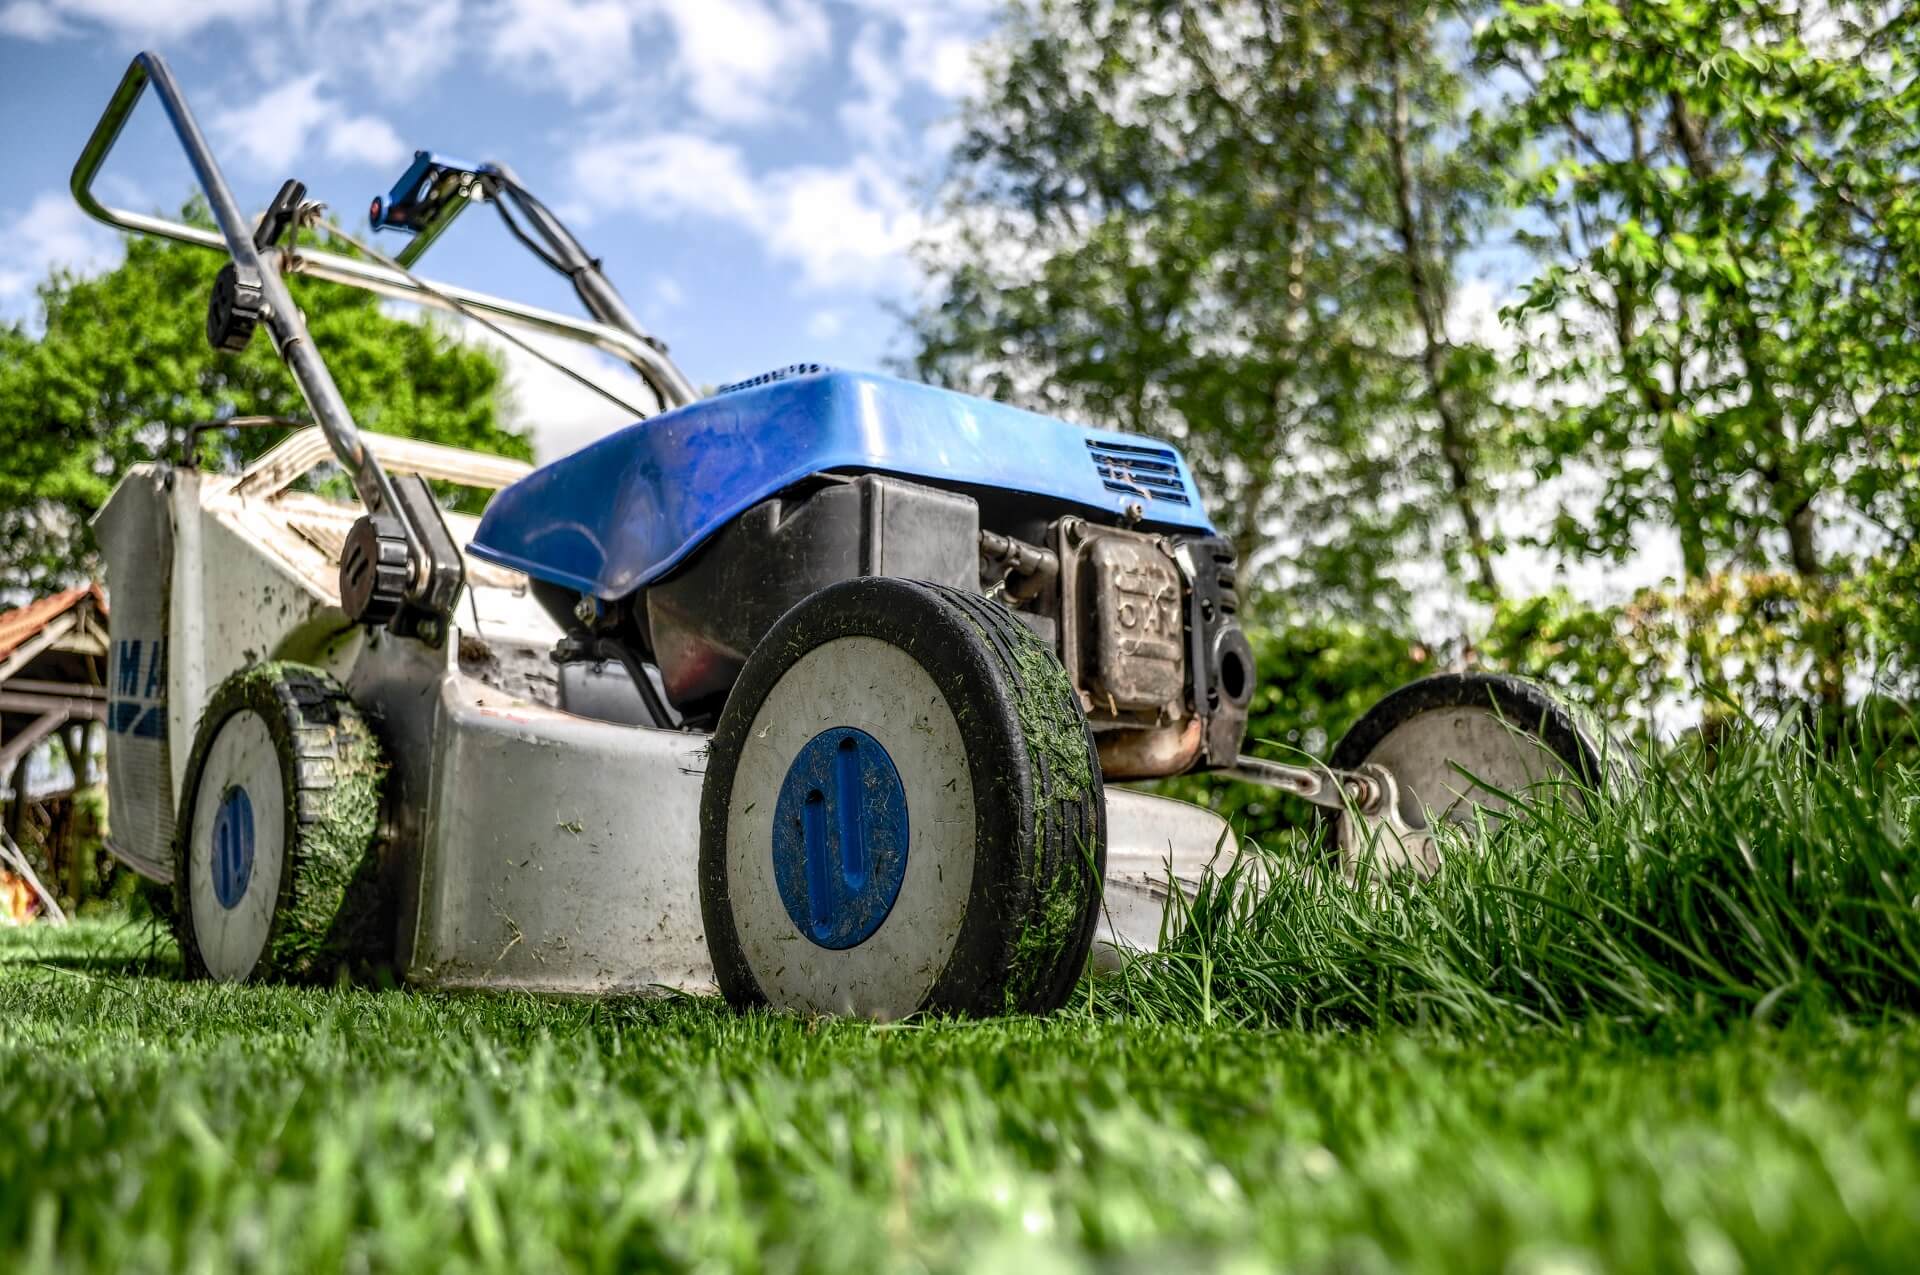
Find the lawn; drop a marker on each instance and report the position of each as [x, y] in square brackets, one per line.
[1410, 1078]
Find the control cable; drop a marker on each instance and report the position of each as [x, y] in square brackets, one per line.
[310, 216]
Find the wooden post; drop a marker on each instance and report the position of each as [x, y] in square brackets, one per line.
[14, 858]
[17, 812]
[75, 739]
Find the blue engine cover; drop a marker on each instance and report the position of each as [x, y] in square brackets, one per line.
[621, 512]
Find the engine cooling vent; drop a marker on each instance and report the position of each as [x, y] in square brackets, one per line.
[778, 374]
[1140, 469]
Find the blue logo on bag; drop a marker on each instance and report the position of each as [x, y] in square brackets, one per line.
[138, 705]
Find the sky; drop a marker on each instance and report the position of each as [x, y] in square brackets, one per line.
[752, 173]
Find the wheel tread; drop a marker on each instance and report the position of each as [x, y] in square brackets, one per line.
[1068, 815]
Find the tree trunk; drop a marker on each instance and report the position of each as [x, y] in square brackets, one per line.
[74, 739]
[17, 812]
[1660, 404]
[1429, 303]
[1791, 497]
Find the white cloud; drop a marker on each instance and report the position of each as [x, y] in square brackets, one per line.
[365, 139]
[940, 42]
[28, 20]
[872, 118]
[937, 39]
[843, 227]
[668, 173]
[416, 42]
[740, 58]
[50, 232]
[278, 38]
[576, 47]
[719, 68]
[736, 61]
[166, 19]
[273, 131]
[824, 325]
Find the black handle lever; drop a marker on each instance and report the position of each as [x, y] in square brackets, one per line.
[279, 215]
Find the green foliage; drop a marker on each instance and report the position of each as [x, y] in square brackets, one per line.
[1730, 263]
[1748, 631]
[121, 370]
[1233, 226]
[1239, 226]
[1614, 659]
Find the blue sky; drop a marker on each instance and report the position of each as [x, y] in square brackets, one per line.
[751, 171]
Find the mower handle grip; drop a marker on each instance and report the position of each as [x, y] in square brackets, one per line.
[667, 381]
[143, 68]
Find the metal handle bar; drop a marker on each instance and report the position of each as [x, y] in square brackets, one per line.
[659, 372]
[283, 319]
[655, 368]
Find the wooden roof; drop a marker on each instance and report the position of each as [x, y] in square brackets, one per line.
[53, 669]
[67, 623]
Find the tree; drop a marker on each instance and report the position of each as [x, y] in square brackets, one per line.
[121, 370]
[1233, 226]
[1731, 247]
[1439, 191]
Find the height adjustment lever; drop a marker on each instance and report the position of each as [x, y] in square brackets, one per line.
[238, 301]
[235, 308]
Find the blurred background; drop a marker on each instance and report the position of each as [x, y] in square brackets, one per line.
[1573, 339]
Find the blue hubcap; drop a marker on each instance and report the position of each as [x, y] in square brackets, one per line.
[840, 837]
[232, 847]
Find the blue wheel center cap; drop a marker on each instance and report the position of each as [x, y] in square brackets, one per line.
[232, 847]
[840, 837]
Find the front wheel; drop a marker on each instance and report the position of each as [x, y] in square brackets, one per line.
[275, 871]
[902, 812]
[1462, 747]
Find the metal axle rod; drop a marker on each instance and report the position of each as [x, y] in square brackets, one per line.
[1321, 786]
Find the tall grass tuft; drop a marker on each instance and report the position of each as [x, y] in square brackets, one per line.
[1776, 879]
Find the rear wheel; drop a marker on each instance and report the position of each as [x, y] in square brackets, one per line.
[1462, 746]
[902, 812]
[275, 873]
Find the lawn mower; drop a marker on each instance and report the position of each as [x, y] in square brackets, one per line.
[818, 689]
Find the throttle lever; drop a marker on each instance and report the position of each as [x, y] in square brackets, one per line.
[280, 214]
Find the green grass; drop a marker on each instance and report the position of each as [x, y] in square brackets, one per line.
[1773, 881]
[1612, 1050]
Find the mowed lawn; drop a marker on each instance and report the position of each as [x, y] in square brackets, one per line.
[148, 1124]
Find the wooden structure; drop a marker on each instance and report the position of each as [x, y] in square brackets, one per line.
[53, 681]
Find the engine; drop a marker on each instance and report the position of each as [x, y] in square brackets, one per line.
[1144, 620]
